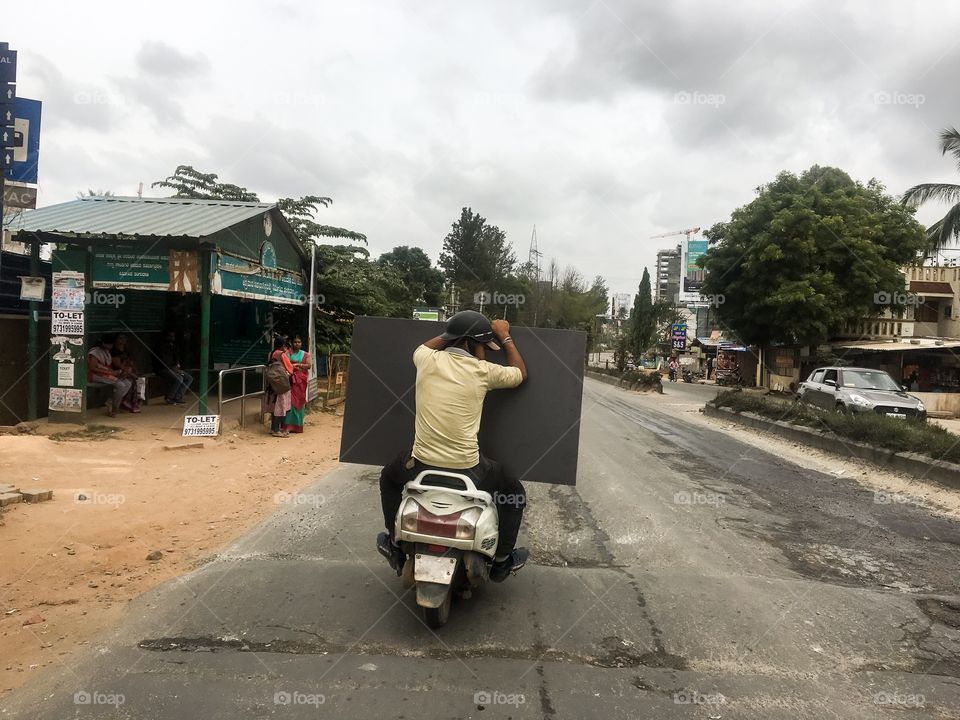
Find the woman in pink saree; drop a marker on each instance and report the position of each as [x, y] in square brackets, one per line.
[293, 421]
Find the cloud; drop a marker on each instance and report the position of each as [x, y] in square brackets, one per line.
[159, 59]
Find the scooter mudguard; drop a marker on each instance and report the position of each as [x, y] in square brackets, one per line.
[431, 595]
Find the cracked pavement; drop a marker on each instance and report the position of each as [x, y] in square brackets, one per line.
[689, 574]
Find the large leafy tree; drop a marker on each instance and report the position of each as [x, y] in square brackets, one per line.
[475, 254]
[947, 229]
[353, 285]
[423, 282]
[809, 254]
[187, 182]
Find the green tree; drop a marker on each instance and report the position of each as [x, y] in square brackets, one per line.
[423, 282]
[187, 182]
[809, 254]
[947, 228]
[475, 255]
[642, 320]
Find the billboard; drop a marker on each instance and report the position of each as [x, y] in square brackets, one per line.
[691, 274]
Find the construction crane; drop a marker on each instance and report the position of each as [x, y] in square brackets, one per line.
[688, 232]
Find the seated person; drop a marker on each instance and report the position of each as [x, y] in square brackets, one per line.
[124, 364]
[100, 369]
[178, 379]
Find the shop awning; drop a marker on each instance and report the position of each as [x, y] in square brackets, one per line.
[928, 288]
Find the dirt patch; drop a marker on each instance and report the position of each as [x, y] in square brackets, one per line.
[70, 565]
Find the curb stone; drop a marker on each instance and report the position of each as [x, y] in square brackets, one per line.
[920, 466]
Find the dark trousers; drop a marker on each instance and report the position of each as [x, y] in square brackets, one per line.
[177, 383]
[488, 475]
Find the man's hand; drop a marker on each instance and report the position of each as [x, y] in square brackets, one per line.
[501, 329]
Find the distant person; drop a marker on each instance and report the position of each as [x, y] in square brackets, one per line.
[178, 379]
[278, 403]
[914, 382]
[300, 359]
[672, 369]
[709, 367]
[124, 364]
[100, 369]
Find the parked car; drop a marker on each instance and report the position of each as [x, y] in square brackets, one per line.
[855, 390]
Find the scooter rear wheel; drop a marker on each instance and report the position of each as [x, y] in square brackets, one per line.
[438, 616]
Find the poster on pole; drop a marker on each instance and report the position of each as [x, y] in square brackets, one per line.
[32, 288]
[63, 322]
[67, 292]
[65, 374]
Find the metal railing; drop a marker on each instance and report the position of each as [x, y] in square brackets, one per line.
[242, 397]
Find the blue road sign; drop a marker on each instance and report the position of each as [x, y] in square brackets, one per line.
[8, 65]
[26, 155]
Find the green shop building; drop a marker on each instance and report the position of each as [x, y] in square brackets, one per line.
[220, 274]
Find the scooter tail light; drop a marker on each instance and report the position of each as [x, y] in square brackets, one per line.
[408, 518]
[467, 524]
[417, 519]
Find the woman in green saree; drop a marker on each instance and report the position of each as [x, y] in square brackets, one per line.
[293, 421]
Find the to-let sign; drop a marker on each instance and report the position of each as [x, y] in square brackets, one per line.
[201, 426]
[66, 322]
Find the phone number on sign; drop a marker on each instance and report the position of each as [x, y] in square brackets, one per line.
[203, 431]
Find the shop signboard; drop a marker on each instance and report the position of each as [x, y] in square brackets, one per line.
[237, 277]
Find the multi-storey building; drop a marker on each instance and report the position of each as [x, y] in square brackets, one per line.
[666, 287]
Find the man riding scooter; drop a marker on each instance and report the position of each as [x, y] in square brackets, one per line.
[452, 380]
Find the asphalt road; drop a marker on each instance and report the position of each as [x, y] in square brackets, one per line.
[688, 575]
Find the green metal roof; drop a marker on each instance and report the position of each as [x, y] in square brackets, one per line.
[135, 217]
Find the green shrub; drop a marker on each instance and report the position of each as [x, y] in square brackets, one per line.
[870, 428]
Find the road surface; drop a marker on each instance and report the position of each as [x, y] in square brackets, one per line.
[688, 575]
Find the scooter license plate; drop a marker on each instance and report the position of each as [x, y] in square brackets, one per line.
[435, 569]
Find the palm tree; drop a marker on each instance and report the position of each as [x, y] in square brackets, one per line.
[947, 228]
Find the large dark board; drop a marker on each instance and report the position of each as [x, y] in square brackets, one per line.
[534, 430]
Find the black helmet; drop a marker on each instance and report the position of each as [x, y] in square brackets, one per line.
[470, 324]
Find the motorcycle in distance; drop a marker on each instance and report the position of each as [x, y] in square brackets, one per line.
[448, 530]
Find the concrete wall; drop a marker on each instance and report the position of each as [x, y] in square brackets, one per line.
[940, 402]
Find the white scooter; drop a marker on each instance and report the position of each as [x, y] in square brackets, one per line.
[448, 530]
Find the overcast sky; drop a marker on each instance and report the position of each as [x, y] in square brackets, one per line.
[602, 123]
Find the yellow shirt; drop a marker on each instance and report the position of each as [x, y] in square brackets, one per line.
[450, 391]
